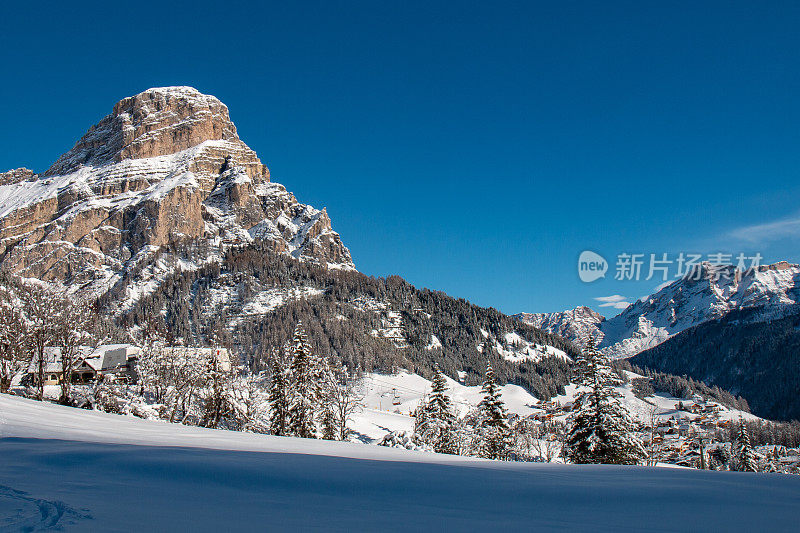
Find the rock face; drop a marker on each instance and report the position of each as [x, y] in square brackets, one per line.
[16, 175]
[709, 293]
[160, 122]
[165, 168]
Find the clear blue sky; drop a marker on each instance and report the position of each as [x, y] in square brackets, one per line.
[475, 148]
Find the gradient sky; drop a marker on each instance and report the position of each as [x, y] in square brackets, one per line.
[474, 148]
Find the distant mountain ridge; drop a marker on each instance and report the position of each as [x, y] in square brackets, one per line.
[575, 324]
[731, 329]
[708, 293]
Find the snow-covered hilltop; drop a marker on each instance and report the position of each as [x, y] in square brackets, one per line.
[709, 294]
[165, 168]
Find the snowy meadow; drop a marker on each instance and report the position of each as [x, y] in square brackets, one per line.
[88, 471]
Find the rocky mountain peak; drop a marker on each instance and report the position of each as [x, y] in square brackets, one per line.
[165, 171]
[158, 122]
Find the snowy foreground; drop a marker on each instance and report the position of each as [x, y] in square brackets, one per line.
[87, 471]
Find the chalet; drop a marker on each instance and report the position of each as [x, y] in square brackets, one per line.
[90, 363]
[118, 359]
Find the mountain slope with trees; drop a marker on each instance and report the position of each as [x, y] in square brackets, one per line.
[757, 360]
[345, 314]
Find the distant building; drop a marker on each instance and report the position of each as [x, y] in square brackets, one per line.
[222, 355]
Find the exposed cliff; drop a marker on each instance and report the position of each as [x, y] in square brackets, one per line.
[165, 168]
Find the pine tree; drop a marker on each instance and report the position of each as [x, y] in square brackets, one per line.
[302, 394]
[434, 418]
[278, 399]
[324, 390]
[600, 430]
[328, 422]
[493, 420]
[745, 455]
[218, 384]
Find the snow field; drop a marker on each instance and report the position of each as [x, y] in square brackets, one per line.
[85, 471]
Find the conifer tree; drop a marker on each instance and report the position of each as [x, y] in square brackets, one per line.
[745, 455]
[600, 428]
[278, 399]
[493, 419]
[302, 394]
[328, 423]
[323, 384]
[434, 418]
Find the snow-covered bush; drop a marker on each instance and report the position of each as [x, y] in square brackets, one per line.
[404, 439]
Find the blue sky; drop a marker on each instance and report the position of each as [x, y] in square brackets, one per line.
[476, 149]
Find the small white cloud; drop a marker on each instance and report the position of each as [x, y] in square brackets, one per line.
[771, 231]
[612, 298]
[615, 300]
[616, 305]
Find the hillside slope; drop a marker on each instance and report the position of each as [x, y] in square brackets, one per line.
[255, 298]
[84, 471]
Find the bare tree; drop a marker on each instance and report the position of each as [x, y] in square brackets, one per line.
[523, 433]
[548, 439]
[217, 384]
[171, 374]
[184, 374]
[151, 358]
[11, 337]
[251, 404]
[73, 323]
[654, 450]
[344, 396]
[41, 330]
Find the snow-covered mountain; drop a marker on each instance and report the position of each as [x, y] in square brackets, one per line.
[708, 293]
[575, 324]
[165, 168]
[161, 210]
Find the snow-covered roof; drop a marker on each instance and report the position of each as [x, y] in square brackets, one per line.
[98, 358]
